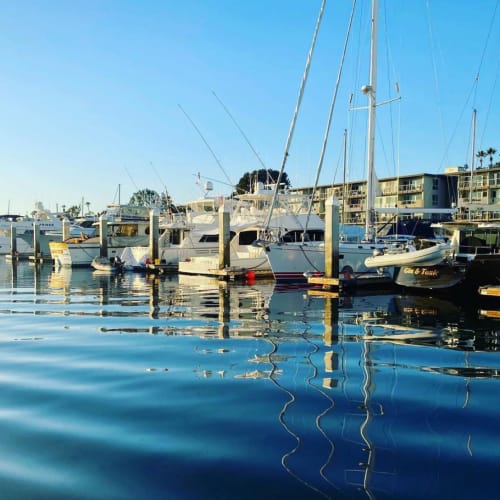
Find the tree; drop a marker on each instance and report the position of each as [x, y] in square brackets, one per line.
[145, 198]
[481, 154]
[72, 211]
[267, 176]
[490, 152]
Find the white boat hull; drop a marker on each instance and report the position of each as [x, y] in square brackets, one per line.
[78, 254]
[107, 264]
[137, 257]
[424, 257]
[248, 258]
[295, 262]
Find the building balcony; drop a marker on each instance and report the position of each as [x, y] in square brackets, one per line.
[412, 204]
[407, 188]
[354, 208]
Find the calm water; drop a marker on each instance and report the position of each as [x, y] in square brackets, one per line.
[139, 388]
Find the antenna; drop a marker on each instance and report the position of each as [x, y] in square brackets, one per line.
[160, 179]
[130, 177]
[208, 146]
[169, 200]
[241, 131]
[199, 177]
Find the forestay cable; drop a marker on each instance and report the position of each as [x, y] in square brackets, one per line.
[330, 116]
[295, 114]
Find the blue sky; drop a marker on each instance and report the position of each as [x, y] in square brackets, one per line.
[92, 90]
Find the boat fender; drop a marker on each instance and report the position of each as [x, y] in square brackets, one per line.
[250, 277]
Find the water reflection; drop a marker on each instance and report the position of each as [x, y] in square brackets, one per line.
[237, 309]
[228, 310]
[361, 395]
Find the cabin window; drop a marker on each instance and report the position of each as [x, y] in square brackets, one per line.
[175, 237]
[247, 237]
[214, 238]
[316, 235]
[126, 230]
[296, 236]
[209, 238]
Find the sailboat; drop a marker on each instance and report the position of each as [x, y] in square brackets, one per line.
[297, 261]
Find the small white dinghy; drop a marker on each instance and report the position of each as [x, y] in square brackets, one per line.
[107, 264]
[428, 256]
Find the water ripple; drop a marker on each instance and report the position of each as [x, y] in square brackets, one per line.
[142, 387]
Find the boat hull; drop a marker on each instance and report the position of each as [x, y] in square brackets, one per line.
[107, 264]
[73, 254]
[296, 263]
[209, 266]
[78, 254]
[430, 277]
[424, 257]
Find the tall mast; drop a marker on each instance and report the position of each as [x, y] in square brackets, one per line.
[473, 155]
[344, 187]
[370, 90]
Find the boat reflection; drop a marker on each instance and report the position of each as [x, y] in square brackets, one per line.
[355, 382]
[422, 320]
[261, 309]
[23, 274]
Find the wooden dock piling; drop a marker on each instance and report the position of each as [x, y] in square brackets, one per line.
[331, 277]
[37, 256]
[13, 242]
[154, 223]
[66, 229]
[103, 236]
[224, 238]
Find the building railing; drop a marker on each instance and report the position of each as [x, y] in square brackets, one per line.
[405, 188]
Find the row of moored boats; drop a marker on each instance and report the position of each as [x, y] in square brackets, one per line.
[288, 246]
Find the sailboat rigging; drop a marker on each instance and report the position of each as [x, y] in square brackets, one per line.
[332, 107]
[208, 146]
[295, 261]
[295, 114]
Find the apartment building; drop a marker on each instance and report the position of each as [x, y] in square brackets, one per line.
[478, 193]
[418, 191]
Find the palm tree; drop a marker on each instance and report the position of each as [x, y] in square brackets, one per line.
[490, 152]
[481, 154]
